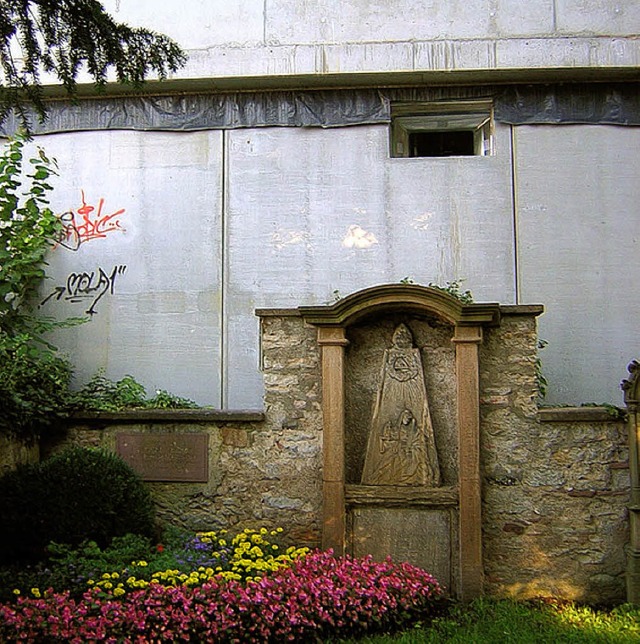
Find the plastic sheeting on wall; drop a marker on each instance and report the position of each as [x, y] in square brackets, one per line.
[610, 104]
[617, 104]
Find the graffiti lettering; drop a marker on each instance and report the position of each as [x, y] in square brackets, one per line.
[87, 223]
[86, 287]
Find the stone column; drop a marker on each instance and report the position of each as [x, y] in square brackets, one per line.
[631, 389]
[467, 340]
[333, 341]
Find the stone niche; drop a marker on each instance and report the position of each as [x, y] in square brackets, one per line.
[401, 428]
[368, 341]
[415, 519]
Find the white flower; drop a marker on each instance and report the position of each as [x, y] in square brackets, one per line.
[17, 217]
[5, 224]
[9, 296]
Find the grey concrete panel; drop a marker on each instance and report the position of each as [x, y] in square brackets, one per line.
[601, 17]
[514, 18]
[314, 213]
[579, 239]
[157, 317]
[195, 24]
[334, 21]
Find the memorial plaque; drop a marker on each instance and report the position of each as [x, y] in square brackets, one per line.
[420, 536]
[166, 456]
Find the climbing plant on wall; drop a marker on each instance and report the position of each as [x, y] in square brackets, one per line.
[34, 378]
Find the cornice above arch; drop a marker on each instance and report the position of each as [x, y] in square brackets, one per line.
[405, 298]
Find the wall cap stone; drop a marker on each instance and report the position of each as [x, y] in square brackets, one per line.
[576, 415]
[169, 416]
[278, 313]
[522, 309]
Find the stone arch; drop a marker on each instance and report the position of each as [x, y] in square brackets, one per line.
[467, 321]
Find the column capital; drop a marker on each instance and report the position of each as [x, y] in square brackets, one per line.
[469, 334]
[332, 336]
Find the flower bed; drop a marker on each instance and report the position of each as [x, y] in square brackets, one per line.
[315, 596]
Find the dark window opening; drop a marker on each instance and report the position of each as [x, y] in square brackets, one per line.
[442, 144]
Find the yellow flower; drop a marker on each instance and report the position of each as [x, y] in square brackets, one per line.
[35, 592]
[118, 591]
[16, 591]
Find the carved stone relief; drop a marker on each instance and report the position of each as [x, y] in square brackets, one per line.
[401, 446]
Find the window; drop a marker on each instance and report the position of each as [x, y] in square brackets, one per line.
[447, 129]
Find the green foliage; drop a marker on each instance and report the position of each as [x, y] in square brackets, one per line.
[34, 378]
[70, 567]
[102, 394]
[454, 288]
[28, 228]
[61, 37]
[75, 495]
[541, 381]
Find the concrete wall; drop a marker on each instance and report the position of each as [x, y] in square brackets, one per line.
[577, 236]
[283, 40]
[213, 225]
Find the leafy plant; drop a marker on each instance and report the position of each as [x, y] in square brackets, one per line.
[541, 381]
[34, 378]
[454, 288]
[60, 37]
[103, 394]
[75, 495]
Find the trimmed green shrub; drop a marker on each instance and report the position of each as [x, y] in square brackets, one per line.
[76, 495]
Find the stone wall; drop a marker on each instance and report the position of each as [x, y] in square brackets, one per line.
[264, 469]
[555, 484]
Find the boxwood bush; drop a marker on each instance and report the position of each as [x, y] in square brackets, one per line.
[75, 495]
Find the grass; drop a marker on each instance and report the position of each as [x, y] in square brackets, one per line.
[491, 621]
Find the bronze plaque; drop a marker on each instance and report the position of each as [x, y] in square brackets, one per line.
[166, 456]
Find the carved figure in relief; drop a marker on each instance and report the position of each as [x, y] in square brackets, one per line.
[401, 447]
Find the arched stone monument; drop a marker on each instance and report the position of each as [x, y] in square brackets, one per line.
[395, 481]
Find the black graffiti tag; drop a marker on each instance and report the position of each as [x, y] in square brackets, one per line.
[87, 287]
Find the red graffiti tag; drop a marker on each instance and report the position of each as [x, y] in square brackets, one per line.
[87, 223]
